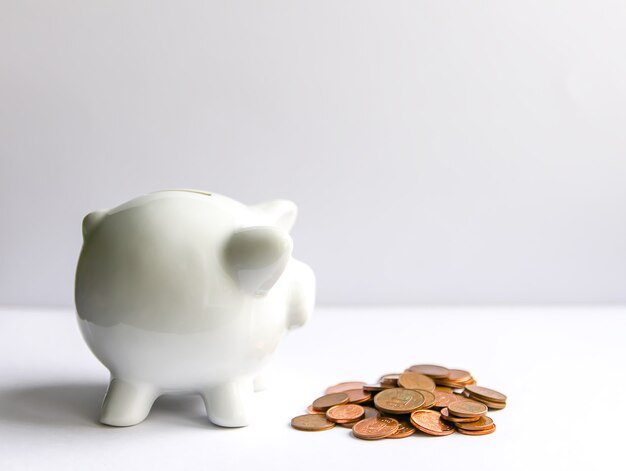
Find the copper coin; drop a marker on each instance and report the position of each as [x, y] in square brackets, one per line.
[459, 376]
[310, 410]
[411, 380]
[345, 413]
[444, 399]
[445, 415]
[481, 424]
[370, 412]
[443, 389]
[491, 405]
[348, 424]
[485, 393]
[429, 398]
[434, 371]
[430, 422]
[389, 380]
[356, 396]
[467, 408]
[405, 429]
[450, 384]
[327, 401]
[398, 401]
[311, 423]
[374, 387]
[486, 431]
[375, 428]
[341, 387]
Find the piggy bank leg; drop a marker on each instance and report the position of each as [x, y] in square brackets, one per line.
[262, 380]
[127, 403]
[229, 404]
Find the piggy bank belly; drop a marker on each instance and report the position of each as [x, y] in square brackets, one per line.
[188, 361]
[155, 304]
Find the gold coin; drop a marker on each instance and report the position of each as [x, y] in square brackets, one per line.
[445, 415]
[486, 431]
[405, 429]
[341, 387]
[375, 428]
[485, 393]
[328, 400]
[467, 408]
[430, 422]
[398, 401]
[411, 380]
[345, 413]
[311, 423]
[481, 424]
[434, 371]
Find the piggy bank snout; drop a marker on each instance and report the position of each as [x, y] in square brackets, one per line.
[303, 295]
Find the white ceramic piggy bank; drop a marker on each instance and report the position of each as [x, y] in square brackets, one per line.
[187, 291]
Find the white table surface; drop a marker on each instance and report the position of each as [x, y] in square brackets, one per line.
[562, 368]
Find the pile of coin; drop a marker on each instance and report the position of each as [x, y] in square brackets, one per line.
[427, 398]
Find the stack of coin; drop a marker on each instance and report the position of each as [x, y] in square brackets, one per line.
[469, 417]
[428, 398]
[444, 377]
[493, 399]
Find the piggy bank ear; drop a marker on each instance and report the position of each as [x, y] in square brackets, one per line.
[91, 221]
[255, 257]
[282, 213]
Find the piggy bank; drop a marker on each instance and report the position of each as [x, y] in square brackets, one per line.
[184, 291]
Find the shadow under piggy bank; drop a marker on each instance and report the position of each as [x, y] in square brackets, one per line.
[76, 405]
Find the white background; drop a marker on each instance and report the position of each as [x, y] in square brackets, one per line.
[563, 376]
[440, 152]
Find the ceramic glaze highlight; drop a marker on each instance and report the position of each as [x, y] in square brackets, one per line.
[186, 291]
